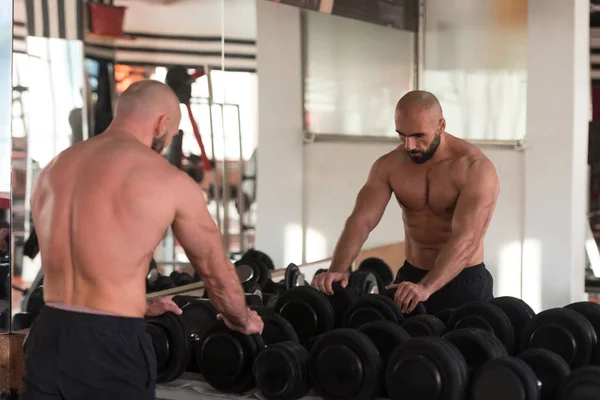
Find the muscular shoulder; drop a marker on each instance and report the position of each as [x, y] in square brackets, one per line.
[390, 162]
[475, 170]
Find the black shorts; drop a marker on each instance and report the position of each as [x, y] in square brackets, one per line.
[471, 284]
[73, 355]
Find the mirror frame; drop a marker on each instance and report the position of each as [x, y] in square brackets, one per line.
[6, 47]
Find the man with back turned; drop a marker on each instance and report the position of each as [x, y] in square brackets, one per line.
[100, 208]
[447, 189]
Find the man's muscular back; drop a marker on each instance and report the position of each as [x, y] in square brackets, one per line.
[428, 195]
[100, 208]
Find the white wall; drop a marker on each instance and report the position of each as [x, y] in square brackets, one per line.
[280, 164]
[556, 158]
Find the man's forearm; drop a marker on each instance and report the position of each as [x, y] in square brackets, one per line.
[223, 286]
[348, 246]
[451, 261]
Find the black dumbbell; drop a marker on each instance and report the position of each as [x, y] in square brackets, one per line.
[487, 316]
[444, 315]
[281, 371]
[35, 303]
[477, 346]
[591, 311]
[424, 325]
[22, 320]
[519, 313]
[535, 374]
[341, 300]
[171, 343]
[271, 291]
[582, 384]
[263, 258]
[563, 331]
[427, 368]
[181, 278]
[380, 268]
[419, 309]
[372, 307]
[199, 315]
[162, 283]
[386, 336]
[307, 310]
[226, 357]
[345, 364]
[364, 282]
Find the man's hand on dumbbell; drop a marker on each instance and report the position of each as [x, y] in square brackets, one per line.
[323, 282]
[252, 324]
[408, 295]
[160, 305]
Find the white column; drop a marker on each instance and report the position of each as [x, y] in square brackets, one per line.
[556, 156]
[280, 159]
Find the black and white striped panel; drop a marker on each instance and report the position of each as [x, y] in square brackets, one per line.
[166, 50]
[62, 19]
[19, 37]
[595, 55]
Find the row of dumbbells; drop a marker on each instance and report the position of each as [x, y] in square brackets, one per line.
[500, 348]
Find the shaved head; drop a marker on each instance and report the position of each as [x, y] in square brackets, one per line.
[149, 109]
[420, 123]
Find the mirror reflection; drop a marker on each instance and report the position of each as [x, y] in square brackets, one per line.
[72, 79]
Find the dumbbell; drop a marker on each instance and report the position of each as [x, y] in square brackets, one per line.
[293, 277]
[379, 267]
[181, 278]
[365, 282]
[199, 315]
[263, 258]
[419, 309]
[386, 336]
[307, 310]
[518, 312]
[345, 364]
[582, 384]
[563, 331]
[591, 312]
[35, 303]
[281, 371]
[534, 374]
[427, 368]
[487, 316]
[162, 283]
[23, 320]
[341, 300]
[372, 307]
[477, 346]
[171, 342]
[4, 321]
[227, 358]
[424, 325]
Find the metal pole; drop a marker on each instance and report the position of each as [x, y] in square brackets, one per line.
[241, 199]
[217, 195]
[225, 185]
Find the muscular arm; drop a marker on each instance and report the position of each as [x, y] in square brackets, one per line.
[472, 216]
[368, 210]
[199, 236]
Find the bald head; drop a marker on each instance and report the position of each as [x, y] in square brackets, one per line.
[419, 101]
[420, 123]
[149, 109]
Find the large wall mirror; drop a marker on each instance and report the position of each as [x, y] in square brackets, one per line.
[5, 99]
[67, 76]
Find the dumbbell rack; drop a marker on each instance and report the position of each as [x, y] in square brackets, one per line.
[222, 212]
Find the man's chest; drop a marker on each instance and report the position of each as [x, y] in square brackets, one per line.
[433, 189]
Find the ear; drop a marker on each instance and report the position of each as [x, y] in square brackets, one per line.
[442, 124]
[163, 123]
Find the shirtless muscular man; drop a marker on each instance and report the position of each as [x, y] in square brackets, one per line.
[100, 208]
[447, 189]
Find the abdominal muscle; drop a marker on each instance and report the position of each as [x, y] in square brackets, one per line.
[426, 234]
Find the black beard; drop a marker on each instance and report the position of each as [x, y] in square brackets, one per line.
[422, 157]
[158, 143]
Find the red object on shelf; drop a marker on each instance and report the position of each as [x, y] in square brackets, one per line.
[107, 20]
